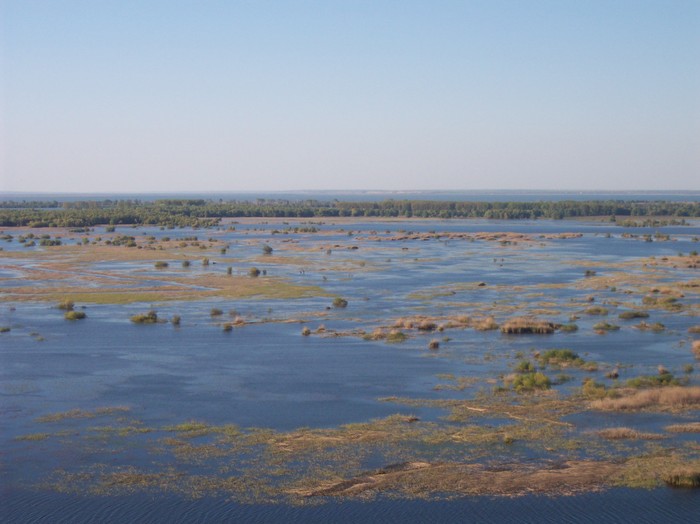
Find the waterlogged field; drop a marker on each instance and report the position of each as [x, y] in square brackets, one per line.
[351, 369]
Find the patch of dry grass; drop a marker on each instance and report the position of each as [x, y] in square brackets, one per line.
[623, 433]
[669, 398]
[522, 325]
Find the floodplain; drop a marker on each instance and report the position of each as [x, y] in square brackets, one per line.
[278, 363]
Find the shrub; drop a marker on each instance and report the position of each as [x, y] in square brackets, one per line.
[339, 302]
[593, 390]
[254, 272]
[531, 382]
[145, 318]
[560, 358]
[66, 305]
[525, 366]
[74, 315]
[651, 381]
[306, 331]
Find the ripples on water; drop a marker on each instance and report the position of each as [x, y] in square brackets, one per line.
[622, 505]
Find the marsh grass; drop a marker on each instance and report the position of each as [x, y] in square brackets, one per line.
[683, 478]
[145, 318]
[596, 310]
[689, 427]
[74, 315]
[629, 315]
[623, 433]
[81, 414]
[670, 398]
[526, 325]
[485, 324]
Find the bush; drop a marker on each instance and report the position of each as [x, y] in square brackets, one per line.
[254, 272]
[340, 302]
[560, 358]
[525, 366]
[652, 381]
[66, 305]
[145, 318]
[74, 315]
[531, 382]
[306, 331]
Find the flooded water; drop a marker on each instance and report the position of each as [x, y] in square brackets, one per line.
[264, 374]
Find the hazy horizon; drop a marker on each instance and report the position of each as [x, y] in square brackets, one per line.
[177, 97]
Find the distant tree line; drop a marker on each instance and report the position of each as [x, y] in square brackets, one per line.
[205, 213]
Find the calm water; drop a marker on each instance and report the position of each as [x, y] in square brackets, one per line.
[267, 375]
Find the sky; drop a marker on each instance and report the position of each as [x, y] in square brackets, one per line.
[175, 96]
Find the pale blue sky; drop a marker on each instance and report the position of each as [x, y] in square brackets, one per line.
[100, 96]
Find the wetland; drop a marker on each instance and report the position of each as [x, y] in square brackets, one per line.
[290, 368]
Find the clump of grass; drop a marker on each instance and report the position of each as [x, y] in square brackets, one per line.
[653, 381]
[672, 397]
[160, 264]
[254, 272]
[186, 263]
[629, 315]
[5, 329]
[560, 358]
[594, 390]
[66, 305]
[74, 315]
[427, 325]
[656, 327]
[227, 326]
[33, 437]
[596, 310]
[396, 336]
[603, 327]
[690, 427]
[306, 331]
[694, 329]
[526, 325]
[339, 302]
[525, 366]
[568, 328]
[145, 318]
[215, 312]
[485, 324]
[626, 434]
[434, 344]
[527, 382]
[695, 348]
[683, 478]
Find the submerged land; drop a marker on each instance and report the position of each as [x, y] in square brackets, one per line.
[544, 355]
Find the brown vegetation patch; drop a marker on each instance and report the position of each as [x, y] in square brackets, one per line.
[523, 325]
[669, 398]
[423, 479]
[627, 434]
[690, 427]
